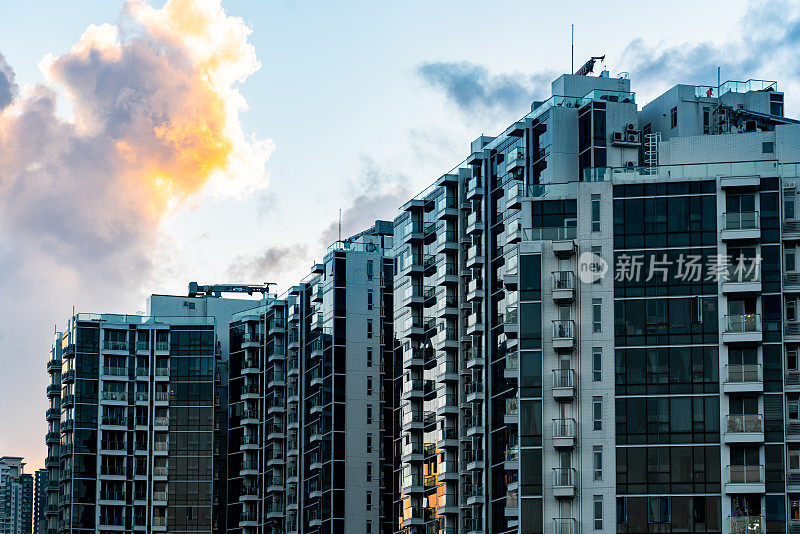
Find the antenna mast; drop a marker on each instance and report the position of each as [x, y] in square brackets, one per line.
[572, 52]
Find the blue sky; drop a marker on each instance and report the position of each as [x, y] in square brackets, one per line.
[340, 94]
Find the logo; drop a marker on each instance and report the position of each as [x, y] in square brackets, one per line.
[591, 267]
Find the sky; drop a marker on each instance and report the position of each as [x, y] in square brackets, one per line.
[144, 145]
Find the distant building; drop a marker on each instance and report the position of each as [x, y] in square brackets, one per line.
[40, 501]
[136, 424]
[16, 496]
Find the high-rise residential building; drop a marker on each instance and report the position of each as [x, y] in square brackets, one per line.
[53, 436]
[40, 501]
[207, 301]
[585, 344]
[136, 427]
[16, 496]
[310, 399]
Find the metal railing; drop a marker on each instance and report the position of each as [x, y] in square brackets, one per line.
[743, 423]
[564, 477]
[563, 378]
[738, 373]
[745, 474]
[746, 524]
[564, 428]
[740, 324]
[563, 280]
[563, 329]
[740, 220]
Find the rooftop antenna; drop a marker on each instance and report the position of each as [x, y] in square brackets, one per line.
[340, 225]
[572, 52]
[718, 81]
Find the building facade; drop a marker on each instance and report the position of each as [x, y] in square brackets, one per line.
[310, 399]
[545, 384]
[136, 426]
[16, 496]
[40, 501]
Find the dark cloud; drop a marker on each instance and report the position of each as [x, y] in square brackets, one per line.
[378, 194]
[269, 264]
[473, 89]
[8, 89]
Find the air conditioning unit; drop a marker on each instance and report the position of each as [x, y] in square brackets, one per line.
[619, 136]
[633, 137]
[631, 127]
[630, 164]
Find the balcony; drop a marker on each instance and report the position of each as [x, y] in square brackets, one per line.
[745, 479]
[563, 384]
[565, 525]
[744, 328]
[475, 289]
[511, 414]
[473, 459]
[744, 428]
[512, 365]
[746, 524]
[117, 346]
[563, 335]
[791, 230]
[473, 391]
[509, 320]
[563, 286]
[473, 425]
[564, 480]
[564, 433]
[474, 256]
[474, 357]
[474, 324]
[738, 225]
[53, 391]
[741, 378]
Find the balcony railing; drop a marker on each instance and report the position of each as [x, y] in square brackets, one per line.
[742, 423]
[744, 372]
[740, 324]
[564, 477]
[745, 474]
[740, 220]
[564, 428]
[563, 378]
[563, 280]
[564, 329]
[746, 524]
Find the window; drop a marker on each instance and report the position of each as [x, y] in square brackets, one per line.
[369, 501]
[673, 117]
[369, 299]
[369, 442]
[369, 414]
[598, 251]
[768, 147]
[788, 205]
[369, 527]
[658, 510]
[597, 314]
[706, 120]
[369, 385]
[595, 213]
[369, 471]
[597, 413]
[597, 364]
[370, 270]
[598, 512]
[790, 259]
[597, 462]
[369, 356]
[369, 328]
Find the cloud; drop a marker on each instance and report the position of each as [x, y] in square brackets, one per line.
[156, 127]
[8, 89]
[765, 45]
[378, 194]
[473, 89]
[268, 264]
